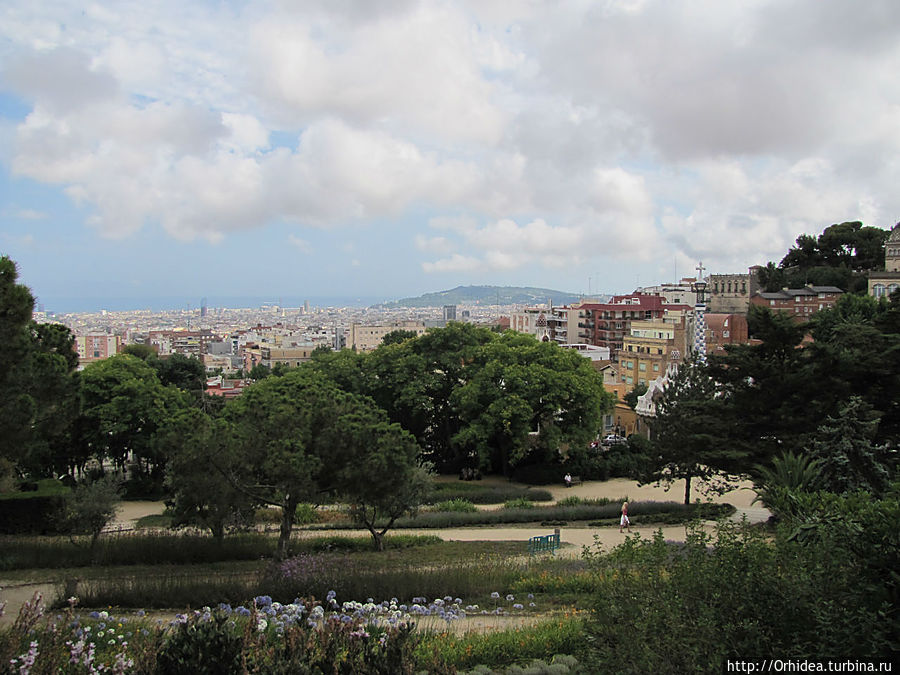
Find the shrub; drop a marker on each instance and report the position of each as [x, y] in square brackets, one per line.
[539, 474]
[37, 511]
[686, 608]
[560, 664]
[503, 648]
[486, 494]
[520, 503]
[457, 505]
[209, 647]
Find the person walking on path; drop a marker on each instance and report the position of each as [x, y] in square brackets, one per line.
[624, 522]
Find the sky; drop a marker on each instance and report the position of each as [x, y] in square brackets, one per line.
[190, 148]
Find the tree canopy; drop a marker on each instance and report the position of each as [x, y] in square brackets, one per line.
[839, 256]
[300, 438]
[689, 437]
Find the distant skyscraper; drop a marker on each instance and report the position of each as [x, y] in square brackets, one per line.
[449, 312]
[306, 306]
[203, 308]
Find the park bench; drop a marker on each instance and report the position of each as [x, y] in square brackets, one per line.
[548, 542]
[576, 480]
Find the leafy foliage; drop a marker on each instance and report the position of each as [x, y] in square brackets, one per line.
[38, 384]
[690, 432]
[788, 474]
[298, 436]
[839, 256]
[846, 457]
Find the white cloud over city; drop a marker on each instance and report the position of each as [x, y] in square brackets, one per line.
[549, 138]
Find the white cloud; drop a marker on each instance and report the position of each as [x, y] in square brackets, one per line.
[301, 244]
[29, 214]
[550, 136]
[433, 244]
[455, 263]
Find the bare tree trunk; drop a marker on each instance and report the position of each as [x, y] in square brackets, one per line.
[288, 508]
[687, 489]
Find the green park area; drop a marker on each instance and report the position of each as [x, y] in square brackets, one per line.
[318, 522]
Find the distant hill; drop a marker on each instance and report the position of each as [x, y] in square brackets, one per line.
[487, 295]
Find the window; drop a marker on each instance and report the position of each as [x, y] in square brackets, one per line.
[878, 290]
[656, 367]
[726, 334]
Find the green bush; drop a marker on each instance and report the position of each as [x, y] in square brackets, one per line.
[520, 503]
[457, 505]
[560, 664]
[32, 513]
[485, 494]
[139, 548]
[164, 548]
[500, 649]
[540, 474]
[211, 647]
[830, 574]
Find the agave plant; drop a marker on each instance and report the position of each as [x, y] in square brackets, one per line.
[788, 474]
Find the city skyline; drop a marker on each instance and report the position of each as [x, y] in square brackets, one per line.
[351, 150]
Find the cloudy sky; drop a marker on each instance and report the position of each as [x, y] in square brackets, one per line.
[341, 147]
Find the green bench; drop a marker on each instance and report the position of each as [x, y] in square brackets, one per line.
[548, 542]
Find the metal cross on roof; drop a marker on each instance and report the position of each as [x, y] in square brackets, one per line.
[700, 269]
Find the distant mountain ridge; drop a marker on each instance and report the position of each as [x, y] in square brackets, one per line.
[487, 295]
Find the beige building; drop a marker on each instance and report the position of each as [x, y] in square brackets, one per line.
[97, 346]
[731, 293]
[367, 338]
[882, 284]
[649, 348]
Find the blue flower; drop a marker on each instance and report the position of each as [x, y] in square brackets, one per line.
[263, 600]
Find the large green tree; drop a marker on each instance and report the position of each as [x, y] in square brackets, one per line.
[690, 434]
[524, 396]
[38, 383]
[839, 256]
[123, 406]
[201, 494]
[301, 437]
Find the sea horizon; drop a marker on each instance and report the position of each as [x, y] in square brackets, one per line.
[93, 305]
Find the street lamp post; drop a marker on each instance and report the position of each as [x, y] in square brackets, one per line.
[699, 287]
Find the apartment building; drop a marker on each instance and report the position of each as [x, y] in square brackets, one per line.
[187, 342]
[800, 303]
[97, 346]
[650, 347]
[607, 324]
[365, 338]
